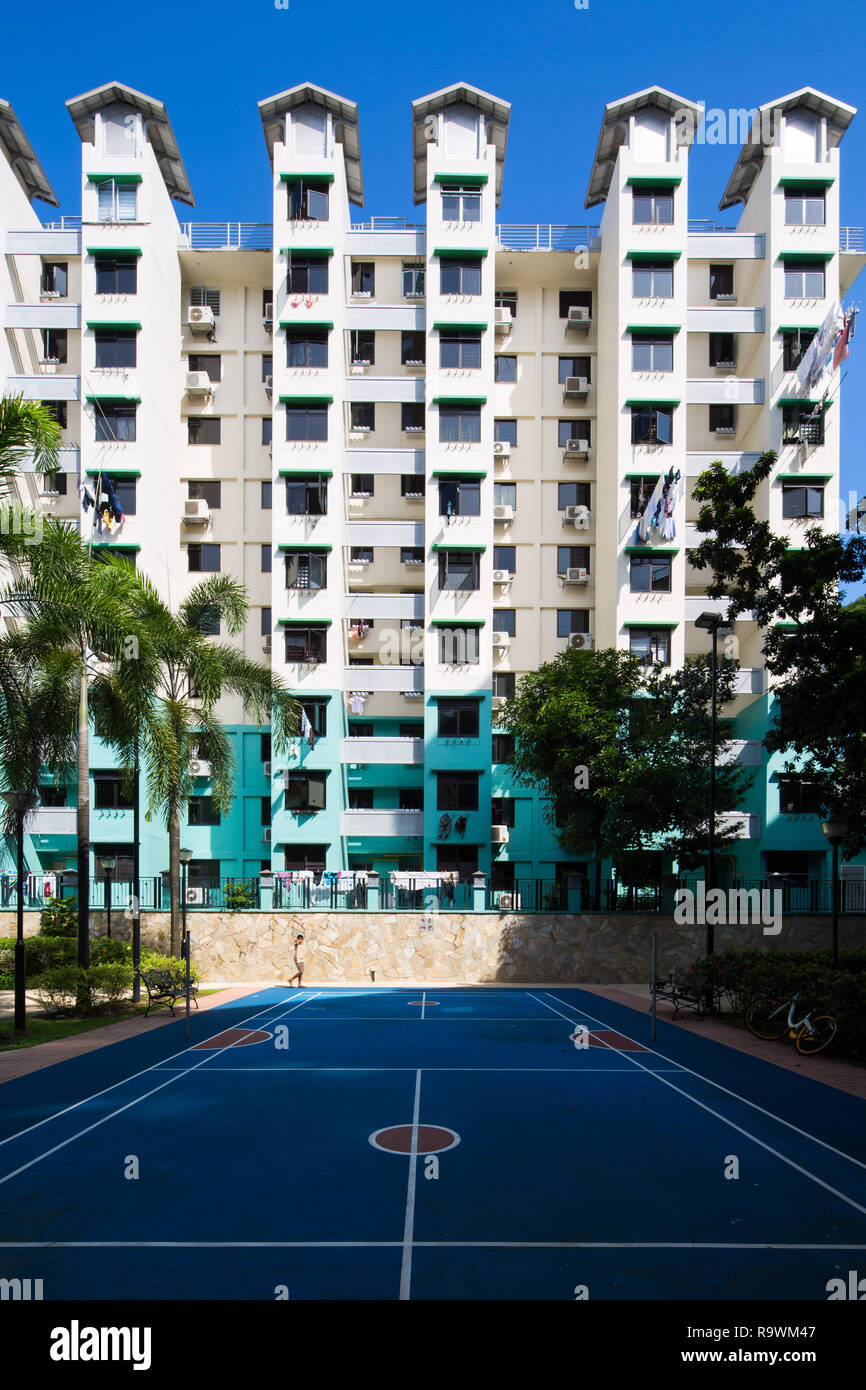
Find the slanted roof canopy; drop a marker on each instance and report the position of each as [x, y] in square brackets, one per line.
[751, 157]
[614, 127]
[22, 158]
[156, 124]
[497, 111]
[274, 109]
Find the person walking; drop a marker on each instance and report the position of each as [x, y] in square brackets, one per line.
[300, 946]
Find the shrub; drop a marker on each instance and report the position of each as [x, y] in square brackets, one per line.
[154, 960]
[240, 896]
[43, 953]
[109, 951]
[109, 983]
[64, 990]
[59, 917]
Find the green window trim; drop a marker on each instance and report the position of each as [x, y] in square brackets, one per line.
[458, 622]
[304, 622]
[459, 400]
[112, 472]
[453, 253]
[653, 255]
[115, 545]
[116, 178]
[320, 253]
[811, 256]
[133, 252]
[662, 181]
[296, 178]
[809, 181]
[458, 545]
[460, 327]
[798, 328]
[648, 473]
[641, 403]
[803, 400]
[130, 326]
[301, 547]
[107, 396]
[648, 623]
[807, 479]
[651, 551]
[307, 400]
[306, 323]
[662, 330]
[456, 695]
[456, 472]
[306, 473]
[461, 178]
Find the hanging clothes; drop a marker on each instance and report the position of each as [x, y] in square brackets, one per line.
[307, 729]
[111, 499]
[357, 702]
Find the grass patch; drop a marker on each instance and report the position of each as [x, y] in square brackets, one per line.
[41, 1029]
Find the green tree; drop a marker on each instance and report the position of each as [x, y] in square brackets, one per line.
[27, 429]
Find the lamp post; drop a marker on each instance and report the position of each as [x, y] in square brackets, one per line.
[184, 855]
[836, 828]
[108, 864]
[19, 803]
[711, 622]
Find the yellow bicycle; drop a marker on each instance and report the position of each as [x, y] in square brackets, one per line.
[767, 1019]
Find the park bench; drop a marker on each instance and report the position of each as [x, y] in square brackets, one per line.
[685, 992]
[165, 987]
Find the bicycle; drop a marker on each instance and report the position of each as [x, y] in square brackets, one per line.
[766, 1019]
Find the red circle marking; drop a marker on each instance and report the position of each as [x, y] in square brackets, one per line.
[397, 1139]
[233, 1037]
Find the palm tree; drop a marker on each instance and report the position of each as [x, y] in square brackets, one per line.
[37, 716]
[161, 707]
[26, 428]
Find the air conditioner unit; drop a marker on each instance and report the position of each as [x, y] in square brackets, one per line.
[576, 576]
[578, 516]
[501, 448]
[506, 902]
[200, 319]
[498, 702]
[198, 384]
[501, 577]
[196, 511]
[267, 769]
[501, 639]
[268, 325]
[578, 316]
[269, 385]
[195, 895]
[576, 449]
[576, 386]
[503, 513]
[499, 834]
[266, 835]
[581, 640]
[199, 768]
[503, 317]
[266, 644]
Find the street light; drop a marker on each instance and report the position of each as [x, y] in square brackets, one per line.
[108, 864]
[184, 855]
[712, 622]
[19, 804]
[836, 828]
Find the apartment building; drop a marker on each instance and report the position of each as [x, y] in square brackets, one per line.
[425, 448]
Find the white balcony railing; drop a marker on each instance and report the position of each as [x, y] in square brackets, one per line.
[366, 823]
[408, 751]
[373, 678]
[52, 820]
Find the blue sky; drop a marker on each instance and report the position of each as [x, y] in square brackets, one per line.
[211, 62]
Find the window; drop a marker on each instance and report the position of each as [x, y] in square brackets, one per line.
[307, 348]
[360, 728]
[360, 798]
[52, 796]
[362, 346]
[502, 810]
[574, 299]
[504, 558]
[117, 202]
[800, 503]
[55, 278]
[114, 348]
[124, 491]
[306, 423]
[362, 416]
[415, 729]
[267, 495]
[573, 495]
[413, 280]
[652, 279]
[305, 791]
[115, 421]
[572, 557]
[363, 277]
[58, 410]
[506, 299]
[458, 718]
[459, 349]
[308, 200]
[504, 367]
[266, 810]
[267, 366]
[569, 620]
[652, 354]
[361, 555]
[505, 495]
[58, 485]
[108, 793]
[650, 645]
[722, 350]
[209, 624]
[798, 796]
[116, 274]
[459, 859]
[306, 569]
[573, 366]
[505, 620]
[802, 424]
[503, 748]
[265, 747]
[642, 490]
[300, 857]
[267, 430]
[721, 282]
[650, 574]
[54, 344]
[459, 646]
[307, 645]
[804, 206]
[652, 424]
[412, 485]
[267, 622]
[459, 497]
[267, 304]
[723, 419]
[201, 297]
[362, 485]
[572, 429]
[307, 274]
[504, 684]
[203, 559]
[653, 207]
[457, 791]
[267, 559]
[208, 362]
[460, 275]
[203, 429]
[411, 555]
[794, 345]
[411, 798]
[413, 349]
[412, 417]
[459, 424]
[804, 280]
[307, 495]
[459, 569]
[460, 203]
[505, 432]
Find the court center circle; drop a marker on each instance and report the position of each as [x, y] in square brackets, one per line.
[397, 1139]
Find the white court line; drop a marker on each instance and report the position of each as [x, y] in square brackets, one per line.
[813, 1177]
[422, 1245]
[128, 1106]
[423, 1002]
[409, 1226]
[565, 1071]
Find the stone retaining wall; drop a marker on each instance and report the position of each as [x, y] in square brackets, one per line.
[592, 948]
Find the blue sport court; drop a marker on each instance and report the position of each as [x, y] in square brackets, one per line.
[420, 1144]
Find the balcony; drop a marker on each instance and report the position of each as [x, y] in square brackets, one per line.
[726, 390]
[375, 678]
[52, 820]
[52, 240]
[226, 236]
[378, 533]
[383, 606]
[50, 315]
[386, 236]
[47, 387]
[707, 241]
[406, 751]
[746, 752]
[373, 823]
[697, 462]
[387, 389]
[740, 825]
[70, 460]
[406, 317]
[546, 236]
[725, 318]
